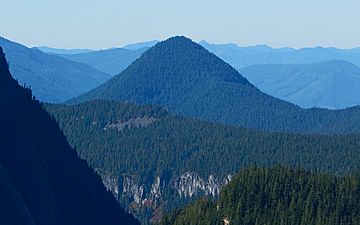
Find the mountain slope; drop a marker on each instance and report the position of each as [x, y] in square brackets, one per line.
[169, 160]
[42, 181]
[111, 61]
[330, 84]
[280, 196]
[52, 78]
[240, 57]
[183, 77]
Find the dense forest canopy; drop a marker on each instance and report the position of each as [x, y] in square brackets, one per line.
[123, 139]
[278, 196]
[180, 144]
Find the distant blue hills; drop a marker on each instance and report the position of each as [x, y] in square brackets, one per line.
[281, 72]
[240, 57]
[308, 77]
[63, 51]
[52, 78]
[137, 46]
[331, 84]
[111, 61]
[183, 77]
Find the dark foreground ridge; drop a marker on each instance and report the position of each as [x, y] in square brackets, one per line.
[42, 181]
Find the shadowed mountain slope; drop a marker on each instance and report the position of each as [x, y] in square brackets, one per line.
[42, 181]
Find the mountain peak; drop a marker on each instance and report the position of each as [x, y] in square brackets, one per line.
[179, 38]
[178, 41]
[180, 53]
[183, 77]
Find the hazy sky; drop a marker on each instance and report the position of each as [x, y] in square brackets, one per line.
[110, 23]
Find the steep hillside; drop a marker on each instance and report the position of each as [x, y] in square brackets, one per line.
[42, 181]
[111, 61]
[151, 159]
[52, 78]
[280, 196]
[183, 77]
[330, 84]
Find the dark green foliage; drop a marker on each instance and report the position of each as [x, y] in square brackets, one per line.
[278, 196]
[173, 145]
[42, 181]
[183, 77]
[201, 212]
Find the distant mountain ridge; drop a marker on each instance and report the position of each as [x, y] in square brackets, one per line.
[137, 46]
[57, 81]
[52, 78]
[332, 84]
[114, 61]
[185, 78]
[42, 180]
[240, 57]
[111, 61]
[58, 51]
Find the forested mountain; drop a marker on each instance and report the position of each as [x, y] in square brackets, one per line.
[42, 180]
[52, 78]
[111, 61]
[278, 196]
[151, 159]
[240, 57]
[183, 77]
[330, 84]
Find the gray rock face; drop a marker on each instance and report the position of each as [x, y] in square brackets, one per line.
[138, 122]
[112, 185]
[186, 185]
[132, 189]
[190, 184]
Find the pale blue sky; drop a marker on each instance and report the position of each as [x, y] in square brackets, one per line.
[109, 23]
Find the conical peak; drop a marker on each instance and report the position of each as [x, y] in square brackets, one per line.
[179, 41]
[180, 53]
